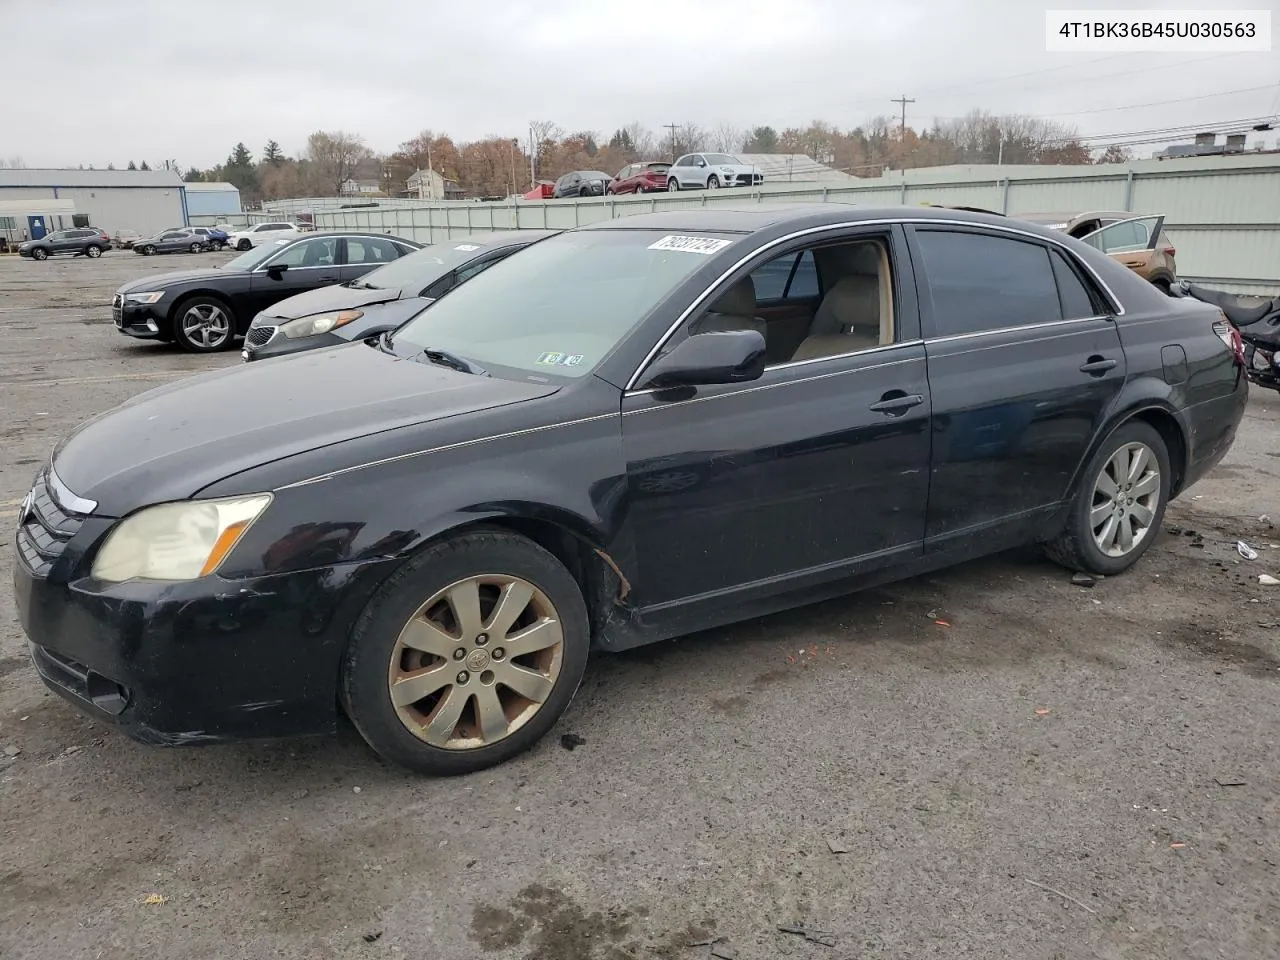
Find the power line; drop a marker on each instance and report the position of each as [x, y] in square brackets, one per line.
[1153, 103]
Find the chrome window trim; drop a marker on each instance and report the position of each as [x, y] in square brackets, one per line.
[65, 498]
[852, 224]
[1020, 328]
[800, 363]
[448, 446]
[786, 383]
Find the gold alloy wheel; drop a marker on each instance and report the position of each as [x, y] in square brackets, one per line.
[476, 662]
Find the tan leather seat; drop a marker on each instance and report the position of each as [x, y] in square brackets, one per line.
[848, 319]
[735, 309]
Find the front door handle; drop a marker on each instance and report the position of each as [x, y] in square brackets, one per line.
[895, 403]
[1097, 366]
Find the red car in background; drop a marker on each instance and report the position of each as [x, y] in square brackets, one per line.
[543, 191]
[640, 178]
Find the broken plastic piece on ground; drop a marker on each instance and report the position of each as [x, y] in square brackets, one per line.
[1042, 712]
[1176, 846]
[372, 937]
[571, 740]
[1083, 580]
[155, 899]
[1229, 781]
[942, 623]
[1268, 581]
[1246, 551]
[836, 846]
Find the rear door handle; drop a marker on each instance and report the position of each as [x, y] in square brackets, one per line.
[328, 279]
[895, 403]
[1097, 366]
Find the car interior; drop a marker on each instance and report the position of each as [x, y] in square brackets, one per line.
[851, 308]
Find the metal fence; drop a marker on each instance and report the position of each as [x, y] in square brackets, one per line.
[1222, 213]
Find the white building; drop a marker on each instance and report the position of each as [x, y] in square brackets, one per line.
[360, 188]
[37, 201]
[432, 185]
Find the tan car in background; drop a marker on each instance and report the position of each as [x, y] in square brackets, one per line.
[1139, 243]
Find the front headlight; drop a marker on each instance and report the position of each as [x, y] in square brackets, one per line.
[177, 541]
[151, 297]
[320, 323]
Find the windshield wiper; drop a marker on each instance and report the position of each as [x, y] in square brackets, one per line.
[452, 360]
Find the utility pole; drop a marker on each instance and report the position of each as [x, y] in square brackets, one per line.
[431, 172]
[904, 101]
[673, 127]
[533, 156]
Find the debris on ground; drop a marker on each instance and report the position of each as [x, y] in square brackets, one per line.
[1229, 781]
[1174, 530]
[836, 846]
[1042, 712]
[821, 937]
[1268, 581]
[372, 937]
[942, 623]
[709, 942]
[1065, 896]
[12, 751]
[1176, 846]
[571, 741]
[1246, 551]
[155, 900]
[723, 951]
[355, 789]
[1083, 580]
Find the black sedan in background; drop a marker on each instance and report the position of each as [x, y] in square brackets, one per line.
[175, 240]
[380, 300]
[437, 529]
[581, 183]
[205, 310]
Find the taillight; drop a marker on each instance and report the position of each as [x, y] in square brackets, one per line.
[1230, 336]
[1170, 251]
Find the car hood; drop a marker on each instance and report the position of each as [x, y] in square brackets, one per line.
[156, 281]
[337, 297]
[171, 442]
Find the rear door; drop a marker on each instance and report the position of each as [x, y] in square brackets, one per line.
[363, 254]
[1024, 362]
[1132, 243]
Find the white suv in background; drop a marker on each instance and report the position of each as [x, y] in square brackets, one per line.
[261, 233]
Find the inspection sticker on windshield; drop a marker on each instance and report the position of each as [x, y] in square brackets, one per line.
[557, 359]
[703, 245]
[467, 246]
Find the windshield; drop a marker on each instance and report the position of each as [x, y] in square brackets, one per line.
[255, 255]
[720, 158]
[558, 307]
[420, 269]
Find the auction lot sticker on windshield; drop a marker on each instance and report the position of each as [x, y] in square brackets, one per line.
[703, 245]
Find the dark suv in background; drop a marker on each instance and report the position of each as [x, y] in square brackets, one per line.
[88, 241]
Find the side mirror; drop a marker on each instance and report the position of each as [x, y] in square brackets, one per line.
[276, 270]
[702, 163]
[734, 356]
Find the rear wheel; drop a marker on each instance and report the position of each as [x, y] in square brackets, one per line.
[204, 324]
[39, 253]
[468, 655]
[92, 250]
[1120, 505]
[1163, 286]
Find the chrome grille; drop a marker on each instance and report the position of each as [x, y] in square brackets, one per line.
[44, 528]
[259, 336]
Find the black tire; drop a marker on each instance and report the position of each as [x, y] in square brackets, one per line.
[218, 245]
[148, 250]
[364, 689]
[673, 185]
[93, 251]
[1163, 286]
[195, 248]
[244, 245]
[1075, 548]
[180, 335]
[713, 182]
[39, 253]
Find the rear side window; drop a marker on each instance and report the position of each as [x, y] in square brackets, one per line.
[1077, 302]
[980, 282]
[370, 250]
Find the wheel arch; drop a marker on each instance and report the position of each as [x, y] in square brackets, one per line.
[181, 298]
[1161, 416]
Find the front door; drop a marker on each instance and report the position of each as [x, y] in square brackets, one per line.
[817, 470]
[1024, 363]
[309, 264]
[37, 228]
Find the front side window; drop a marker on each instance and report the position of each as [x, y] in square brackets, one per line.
[320, 252]
[981, 282]
[560, 306]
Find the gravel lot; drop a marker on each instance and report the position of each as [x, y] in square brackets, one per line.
[1039, 776]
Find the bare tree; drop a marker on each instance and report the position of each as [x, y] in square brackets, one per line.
[687, 137]
[643, 142]
[13, 163]
[336, 155]
[726, 138]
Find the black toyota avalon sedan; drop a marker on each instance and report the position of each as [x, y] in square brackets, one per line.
[207, 309]
[626, 432]
[381, 299]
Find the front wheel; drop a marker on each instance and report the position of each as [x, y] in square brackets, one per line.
[39, 253]
[243, 245]
[148, 250]
[468, 655]
[673, 185]
[1120, 504]
[713, 182]
[92, 251]
[204, 325]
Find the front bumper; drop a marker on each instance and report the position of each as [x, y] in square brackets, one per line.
[262, 342]
[198, 662]
[146, 321]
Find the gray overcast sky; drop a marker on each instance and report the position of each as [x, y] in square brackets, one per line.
[113, 80]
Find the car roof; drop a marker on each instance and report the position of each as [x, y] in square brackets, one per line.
[749, 219]
[496, 238]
